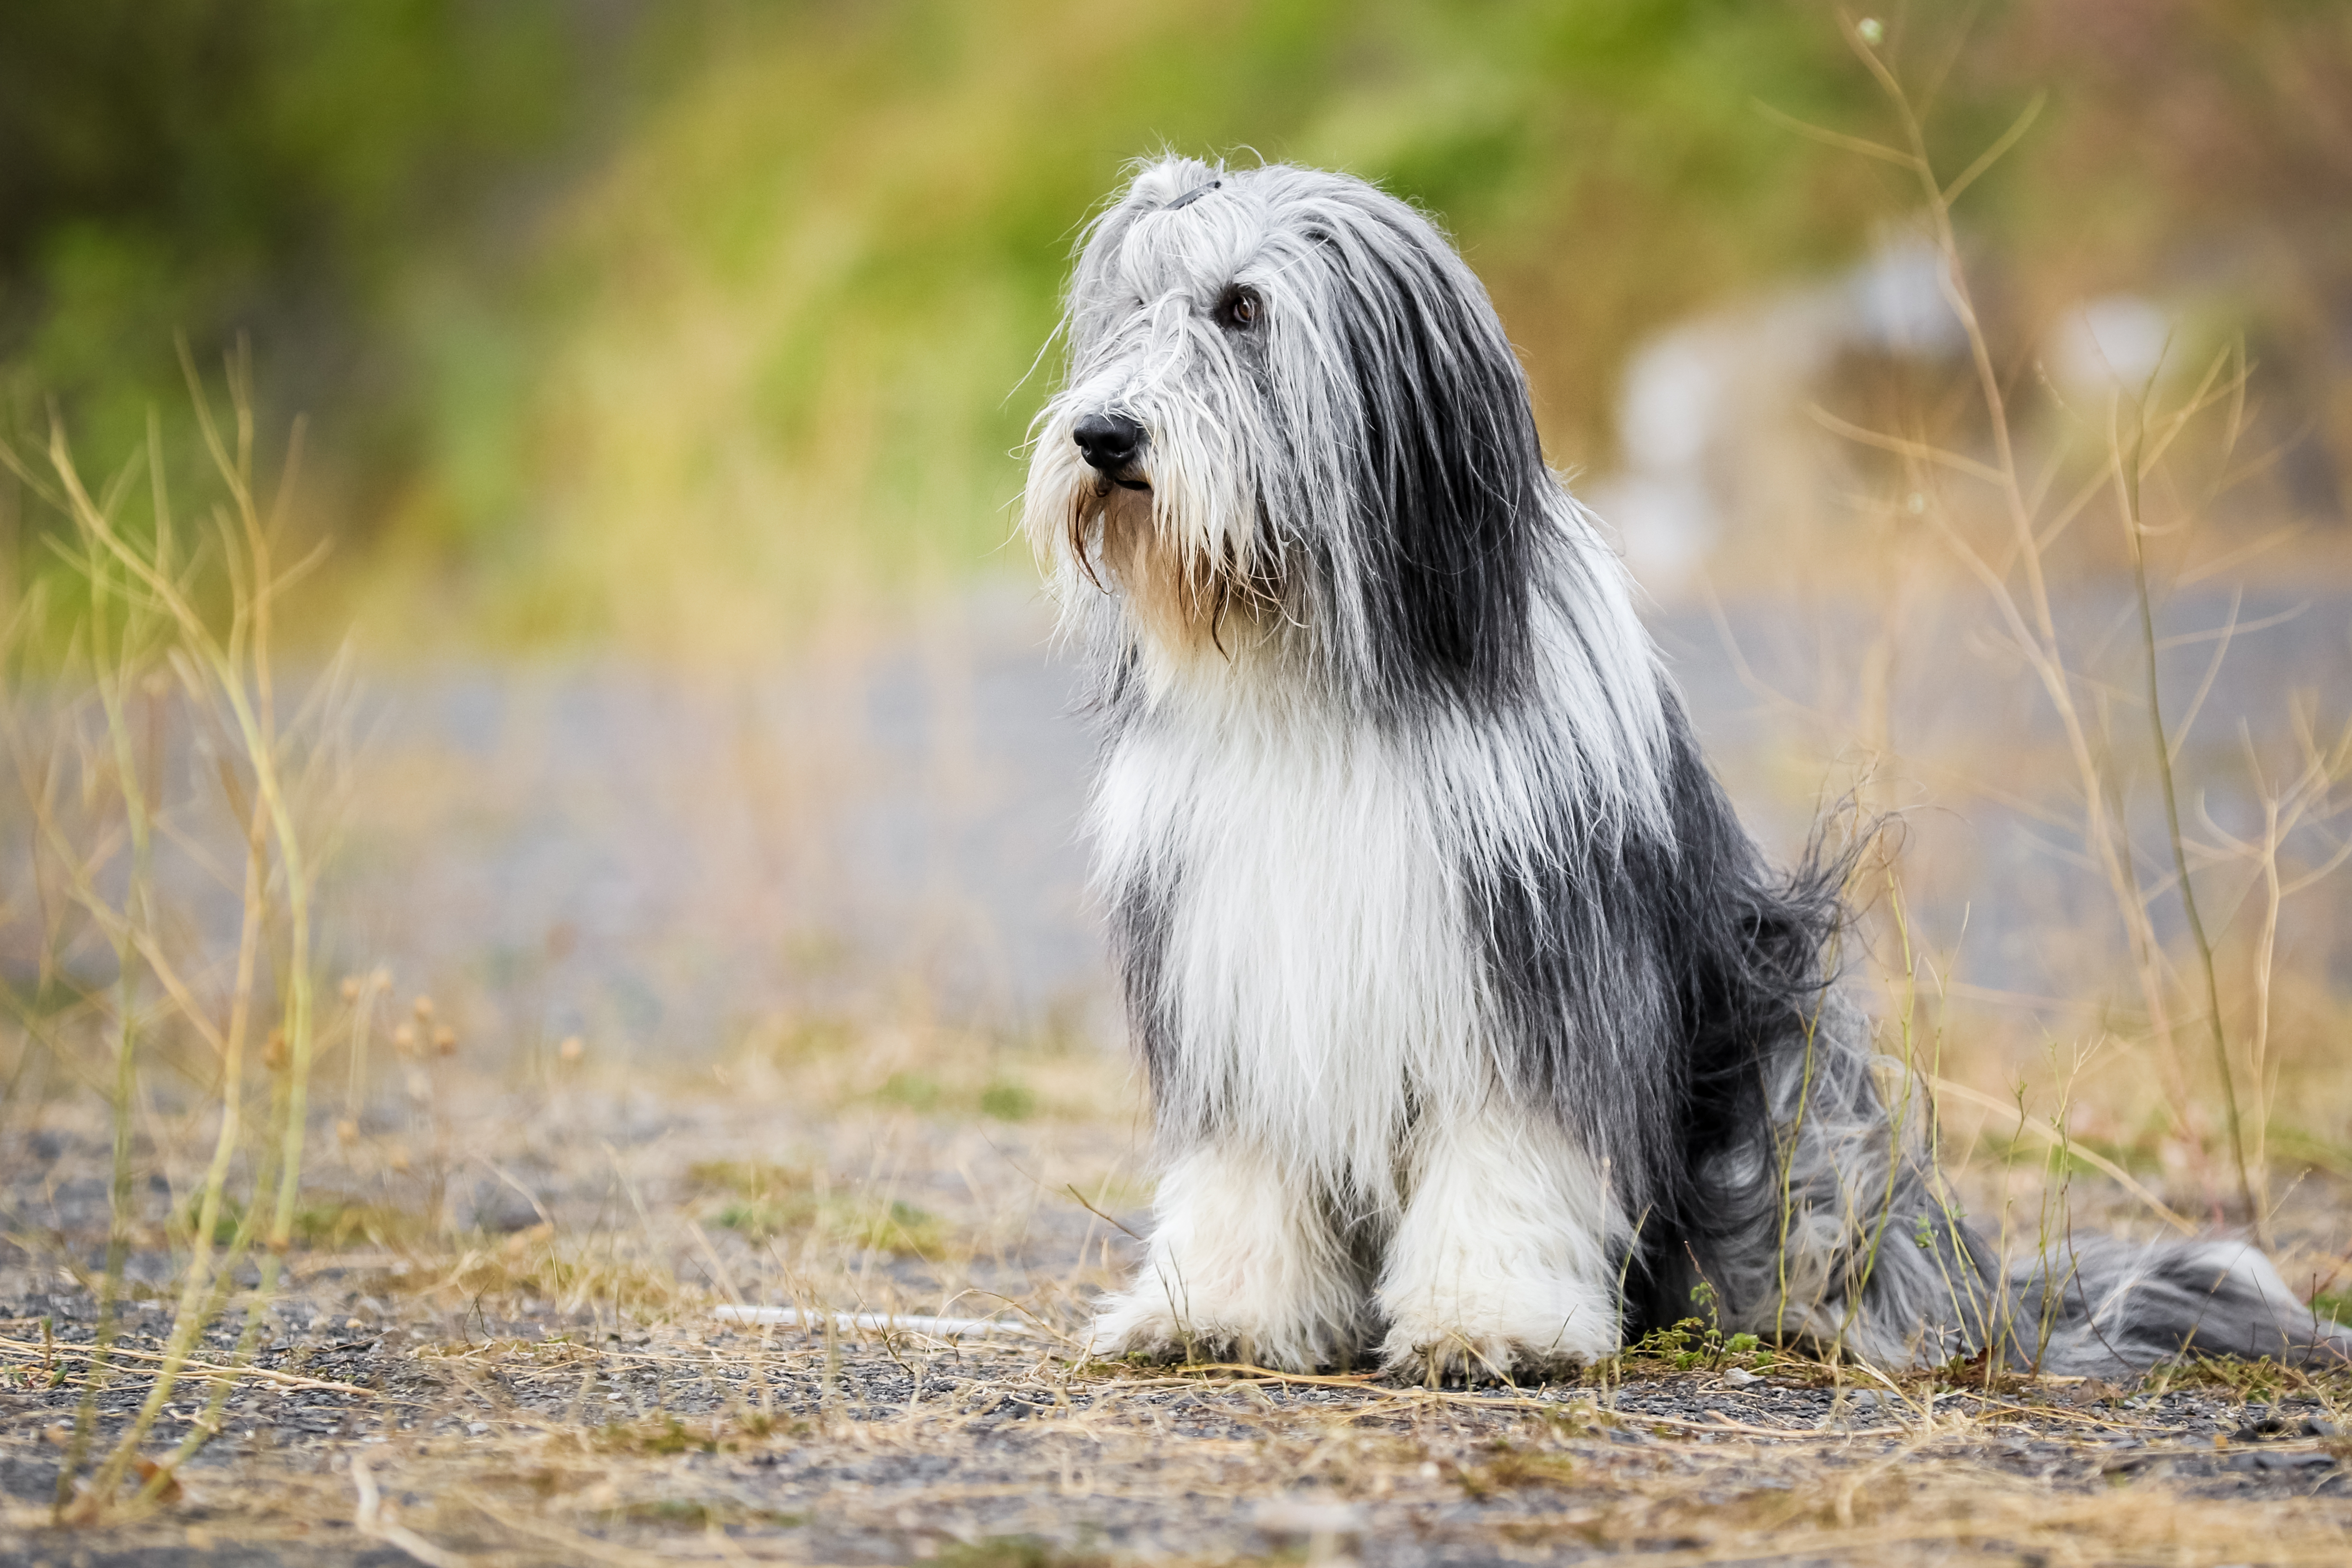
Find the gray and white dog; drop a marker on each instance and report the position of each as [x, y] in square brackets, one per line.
[1480, 1035]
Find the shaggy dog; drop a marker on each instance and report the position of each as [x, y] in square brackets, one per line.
[1480, 1037]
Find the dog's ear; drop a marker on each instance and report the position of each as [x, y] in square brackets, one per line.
[1450, 474]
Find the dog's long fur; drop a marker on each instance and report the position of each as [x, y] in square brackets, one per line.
[1479, 1032]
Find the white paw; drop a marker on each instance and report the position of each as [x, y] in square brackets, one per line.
[1512, 1329]
[1502, 1264]
[1242, 1267]
[1132, 1324]
[1144, 1323]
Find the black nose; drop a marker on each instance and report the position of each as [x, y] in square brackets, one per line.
[1111, 441]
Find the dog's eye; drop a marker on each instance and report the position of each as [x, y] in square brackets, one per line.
[1239, 310]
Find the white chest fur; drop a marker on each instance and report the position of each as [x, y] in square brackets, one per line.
[1316, 965]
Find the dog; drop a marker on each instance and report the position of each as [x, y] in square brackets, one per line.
[1480, 1037]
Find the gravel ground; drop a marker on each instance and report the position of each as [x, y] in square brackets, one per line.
[543, 1380]
[653, 1443]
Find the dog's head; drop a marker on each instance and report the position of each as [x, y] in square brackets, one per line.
[1290, 416]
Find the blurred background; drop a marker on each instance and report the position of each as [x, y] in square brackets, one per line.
[661, 372]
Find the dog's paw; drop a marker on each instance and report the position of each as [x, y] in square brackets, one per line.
[1461, 1360]
[1135, 1327]
[1444, 1360]
[1130, 1327]
[1444, 1350]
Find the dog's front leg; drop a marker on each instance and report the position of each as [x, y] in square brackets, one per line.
[1502, 1260]
[1242, 1265]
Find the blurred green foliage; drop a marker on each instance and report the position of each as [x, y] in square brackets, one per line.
[283, 168]
[663, 322]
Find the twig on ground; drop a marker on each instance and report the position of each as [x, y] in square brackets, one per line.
[201, 1368]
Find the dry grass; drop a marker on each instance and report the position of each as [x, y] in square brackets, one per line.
[556, 1390]
[2050, 551]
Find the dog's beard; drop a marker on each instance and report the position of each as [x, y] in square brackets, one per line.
[1185, 590]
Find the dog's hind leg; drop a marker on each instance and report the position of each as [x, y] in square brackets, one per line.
[1244, 1263]
[1502, 1259]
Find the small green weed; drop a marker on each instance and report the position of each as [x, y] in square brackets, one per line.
[1692, 1344]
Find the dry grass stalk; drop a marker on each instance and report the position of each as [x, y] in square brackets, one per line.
[146, 627]
[2013, 569]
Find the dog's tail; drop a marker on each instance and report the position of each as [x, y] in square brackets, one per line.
[2105, 1305]
[1834, 1229]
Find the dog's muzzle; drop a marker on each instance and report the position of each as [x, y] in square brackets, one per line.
[1110, 443]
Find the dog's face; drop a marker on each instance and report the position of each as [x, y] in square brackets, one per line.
[1290, 412]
